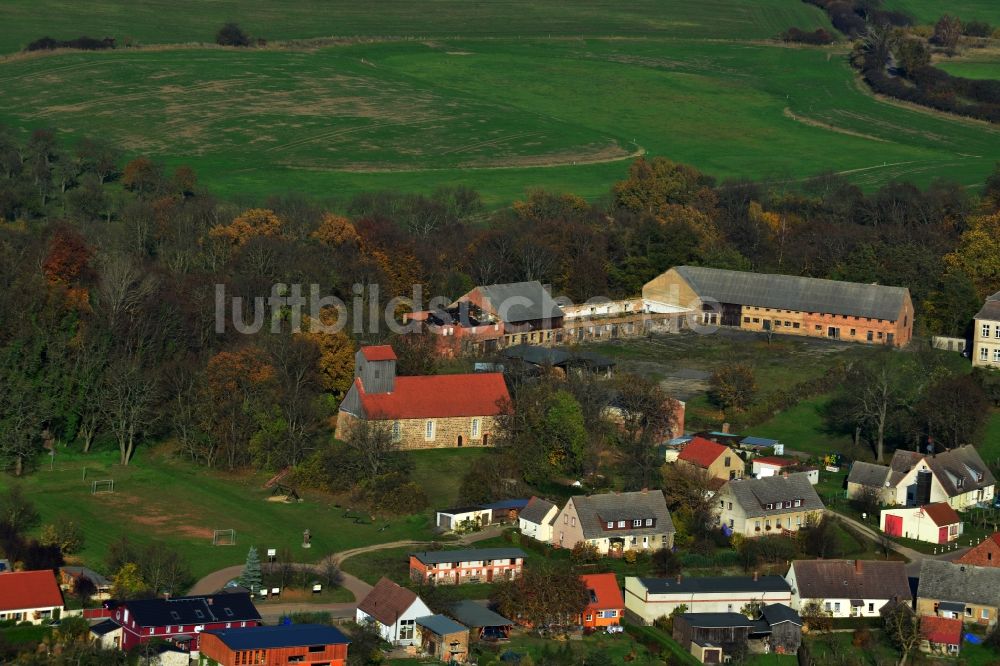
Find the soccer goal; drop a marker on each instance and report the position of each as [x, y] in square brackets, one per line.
[224, 538]
[102, 487]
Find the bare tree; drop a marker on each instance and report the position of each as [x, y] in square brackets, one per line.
[122, 289]
[128, 405]
[374, 443]
[903, 628]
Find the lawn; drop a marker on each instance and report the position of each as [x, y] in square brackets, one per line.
[498, 115]
[197, 21]
[989, 446]
[801, 428]
[439, 472]
[160, 499]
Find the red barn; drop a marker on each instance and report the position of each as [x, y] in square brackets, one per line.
[182, 620]
[284, 644]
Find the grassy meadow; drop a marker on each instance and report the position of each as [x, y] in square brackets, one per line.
[927, 12]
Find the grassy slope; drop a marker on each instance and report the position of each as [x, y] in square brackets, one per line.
[971, 69]
[197, 21]
[172, 502]
[929, 11]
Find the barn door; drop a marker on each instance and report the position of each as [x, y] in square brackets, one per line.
[894, 525]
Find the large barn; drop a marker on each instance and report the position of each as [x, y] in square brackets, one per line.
[788, 304]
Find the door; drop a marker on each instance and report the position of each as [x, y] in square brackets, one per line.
[894, 525]
[942, 535]
[489, 575]
[833, 332]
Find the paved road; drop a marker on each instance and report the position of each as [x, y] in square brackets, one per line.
[272, 612]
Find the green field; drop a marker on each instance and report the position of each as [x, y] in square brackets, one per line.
[184, 21]
[161, 499]
[929, 11]
[499, 115]
[971, 68]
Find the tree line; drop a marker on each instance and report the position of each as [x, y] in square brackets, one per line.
[109, 269]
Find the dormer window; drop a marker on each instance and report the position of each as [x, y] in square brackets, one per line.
[637, 522]
[768, 507]
[175, 615]
[611, 524]
[198, 614]
[649, 522]
[798, 502]
[621, 523]
[961, 482]
[788, 504]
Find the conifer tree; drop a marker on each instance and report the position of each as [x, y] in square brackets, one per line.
[251, 577]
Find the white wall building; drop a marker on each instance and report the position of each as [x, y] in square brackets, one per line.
[647, 599]
[393, 611]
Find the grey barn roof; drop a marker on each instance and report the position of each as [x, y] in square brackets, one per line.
[536, 510]
[792, 292]
[476, 615]
[440, 625]
[595, 510]
[946, 581]
[778, 613]
[715, 584]
[847, 579]
[868, 474]
[991, 308]
[522, 301]
[468, 555]
[717, 620]
[753, 494]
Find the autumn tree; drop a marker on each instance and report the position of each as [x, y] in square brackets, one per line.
[543, 595]
[127, 583]
[335, 362]
[653, 184]
[978, 253]
[68, 257]
[235, 384]
[733, 387]
[143, 176]
[947, 32]
[184, 181]
[955, 410]
[336, 231]
[252, 223]
[98, 157]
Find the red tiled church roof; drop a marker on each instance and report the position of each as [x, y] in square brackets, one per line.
[438, 396]
[606, 593]
[943, 630]
[702, 452]
[22, 590]
[941, 513]
[378, 353]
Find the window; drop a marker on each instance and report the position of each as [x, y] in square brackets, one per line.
[316, 648]
[572, 521]
[788, 504]
[869, 337]
[397, 431]
[777, 322]
[996, 355]
[649, 522]
[795, 324]
[986, 330]
[746, 320]
[853, 332]
[968, 612]
[836, 607]
[621, 523]
[984, 354]
[985, 614]
[637, 522]
[819, 327]
[777, 523]
[229, 612]
[728, 460]
[756, 320]
[880, 335]
[871, 608]
[175, 615]
[788, 323]
[198, 614]
[722, 504]
[429, 430]
[768, 506]
[730, 506]
[475, 428]
[611, 524]
[797, 502]
[996, 333]
[767, 524]
[826, 606]
[756, 525]
[405, 630]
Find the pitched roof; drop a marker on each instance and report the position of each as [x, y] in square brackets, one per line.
[850, 579]
[507, 504]
[776, 461]
[467, 555]
[752, 441]
[713, 584]
[83, 572]
[702, 452]
[199, 609]
[604, 591]
[868, 474]
[977, 554]
[944, 630]
[387, 601]
[991, 308]
[105, 627]
[595, 510]
[754, 494]
[437, 396]
[792, 292]
[281, 636]
[941, 513]
[778, 613]
[521, 301]
[378, 353]
[21, 590]
[440, 625]
[946, 581]
[472, 614]
[717, 620]
[961, 465]
[536, 510]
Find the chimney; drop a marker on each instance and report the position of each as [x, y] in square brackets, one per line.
[857, 566]
[725, 427]
[756, 576]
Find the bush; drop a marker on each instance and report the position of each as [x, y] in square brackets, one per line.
[231, 34]
[817, 37]
[393, 494]
[83, 43]
[65, 534]
[977, 29]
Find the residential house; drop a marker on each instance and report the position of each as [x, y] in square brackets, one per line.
[443, 638]
[963, 591]
[957, 476]
[536, 519]
[846, 588]
[933, 523]
[284, 644]
[474, 565]
[718, 462]
[69, 576]
[986, 554]
[483, 623]
[647, 599]
[425, 412]
[461, 517]
[30, 596]
[181, 620]
[393, 611]
[788, 304]
[771, 505]
[986, 334]
[606, 605]
[940, 635]
[615, 522]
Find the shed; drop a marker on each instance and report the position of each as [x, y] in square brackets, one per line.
[443, 638]
[484, 623]
[933, 523]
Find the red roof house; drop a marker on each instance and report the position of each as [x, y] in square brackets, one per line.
[607, 605]
[720, 462]
[432, 411]
[986, 554]
[30, 596]
[943, 634]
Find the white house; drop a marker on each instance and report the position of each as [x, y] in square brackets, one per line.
[536, 519]
[647, 599]
[933, 523]
[30, 596]
[848, 588]
[771, 465]
[453, 519]
[393, 610]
